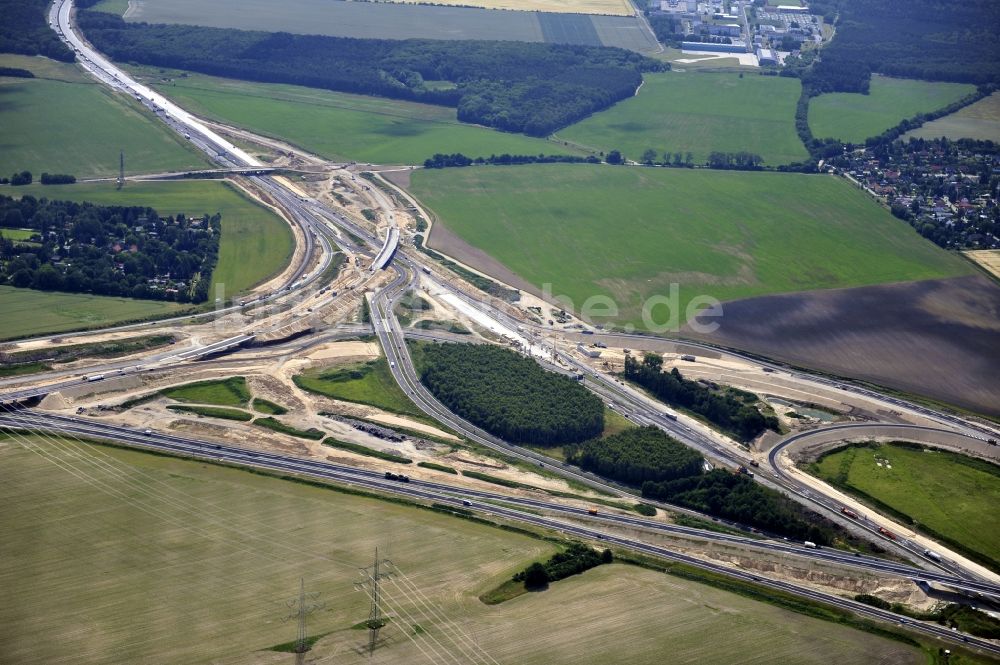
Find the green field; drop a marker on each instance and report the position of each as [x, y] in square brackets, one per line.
[118, 7]
[629, 233]
[341, 126]
[227, 392]
[854, 117]
[256, 244]
[948, 494]
[213, 412]
[700, 113]
[979, 121]
[65, 124]
[195, 563]
[367, 383]
[26, 312]
[17, 234]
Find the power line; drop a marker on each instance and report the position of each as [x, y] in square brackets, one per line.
[303, 607]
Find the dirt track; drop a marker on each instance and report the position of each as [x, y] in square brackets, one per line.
[939, 338]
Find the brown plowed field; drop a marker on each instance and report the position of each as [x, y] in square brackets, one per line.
[939, 338]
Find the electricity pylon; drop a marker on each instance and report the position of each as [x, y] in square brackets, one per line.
[372, 575]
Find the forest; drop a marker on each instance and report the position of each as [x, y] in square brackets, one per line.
[737, 497]
[926, 39]
[509, 395]
[637, 455]
[733, 411]
[531, 88]
[25, 30]
[108, 250]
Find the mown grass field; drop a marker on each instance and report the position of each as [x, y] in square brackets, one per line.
[26, 312]
[17, 234]
[854, 117]
[366, 383]
[256, 244]
[194, 563]
[62, 123]
[699, 113]
[344, 126]
[979, 121]
[629, 233]
[227, 392]
[951, 494]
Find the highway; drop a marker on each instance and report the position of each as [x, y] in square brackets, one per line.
[321, 227]
[482, 502]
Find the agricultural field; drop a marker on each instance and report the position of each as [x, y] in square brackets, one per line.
[947, 493]
[256, 244]
[17, 234]
[343, 126]
[63, 123]
[699, 113]
[118, 7]
[606, 7]
[729, 235]
[854, 117]
[617, 26]
[27, 312]
[159, 579]
[979, 121]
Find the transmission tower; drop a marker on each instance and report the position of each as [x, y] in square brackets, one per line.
[302, 607]
[372, 575]
[121, 169]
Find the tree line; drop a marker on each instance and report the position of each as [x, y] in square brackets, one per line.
[25, 30]
[532, 88]
[576, 559]
[731, 410]
[509, 395]
[108, 250]
[440, 161]
[637, 455]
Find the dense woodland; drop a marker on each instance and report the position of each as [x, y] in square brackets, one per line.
[509, 395]
[108, 250]
[734, 411]
[927, 39]
[511, 86]
[24, 29]
[637, 455]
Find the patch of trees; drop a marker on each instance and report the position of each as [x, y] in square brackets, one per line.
[737, 497]
[637, 455]
[509, 395]
[732, 411]
[58, 179]
[743, 161]
[25, 30]
[511, 86]
[926, 39]
[577, 558]
[668, 29]
[21, 178]
[16, 72]
[439, 161]
[108, 250]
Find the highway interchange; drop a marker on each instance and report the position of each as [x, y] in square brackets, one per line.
[322, 229]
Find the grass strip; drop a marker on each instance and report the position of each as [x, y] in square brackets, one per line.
[366, 451]
[213, 412]
[274, 424]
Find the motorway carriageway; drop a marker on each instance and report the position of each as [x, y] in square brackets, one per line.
[461, 498]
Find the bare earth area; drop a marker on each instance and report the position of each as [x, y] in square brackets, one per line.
[938, 338]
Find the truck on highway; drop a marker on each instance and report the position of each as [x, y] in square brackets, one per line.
[688, 357]
[669, 416]
[94, 377]
[932, 555]
[742, 470]
[811, 545]
[392, 364]
[592, 511]
[885, 532]
[389, 475]
[849, 513]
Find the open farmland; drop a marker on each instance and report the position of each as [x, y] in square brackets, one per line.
[338, 125]
[609, 7]
[979, 121]
[405, 20]
[63, 123]
[853, 117]
[895, 335]
[27, 312]
[256, 244]
[952, 495]
[197, 564]
[629, 233]
[699, 113]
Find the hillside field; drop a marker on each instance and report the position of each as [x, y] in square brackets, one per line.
[195, 563]
[63, 123]
[948, 493]
[854, 117]
[342, 126]
[256, 244]
[700, 113]
[630, 232]
[979, 121]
